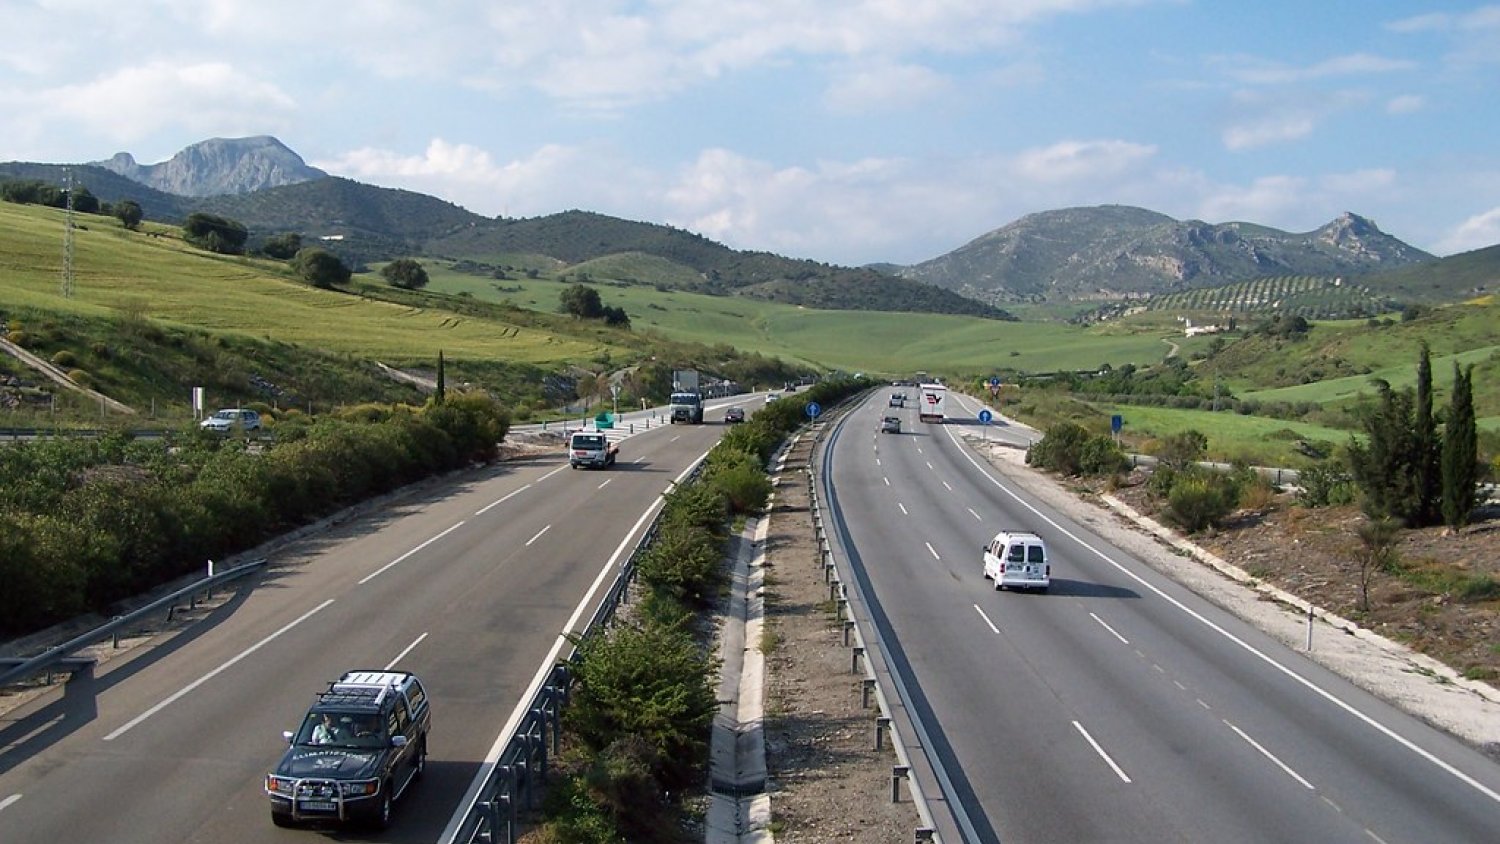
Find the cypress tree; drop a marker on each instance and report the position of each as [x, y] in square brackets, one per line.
[1385, 466]
[1460, 452]
[441, 377]
[1427, 451]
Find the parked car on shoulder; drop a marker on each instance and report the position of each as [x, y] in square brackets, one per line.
[733, 415]
[228, 419]
[360, 746]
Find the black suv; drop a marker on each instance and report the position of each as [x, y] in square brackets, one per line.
[362, 743]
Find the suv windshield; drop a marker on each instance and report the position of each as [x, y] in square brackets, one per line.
[341, 729]
[581, 441]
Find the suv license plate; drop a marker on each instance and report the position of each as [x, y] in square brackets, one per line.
[316, 805]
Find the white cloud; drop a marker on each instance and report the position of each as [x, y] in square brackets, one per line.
[1477, 232]
[1269, 129]
[1405, 104]
[881, 87]
[1071, 161]
[1276, 118]
[1255, 71]
[1267, 198]
[199, 98]
[1357, 183]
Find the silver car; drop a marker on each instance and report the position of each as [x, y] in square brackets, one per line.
[226, 420]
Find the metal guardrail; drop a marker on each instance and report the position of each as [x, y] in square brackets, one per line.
[56, 655]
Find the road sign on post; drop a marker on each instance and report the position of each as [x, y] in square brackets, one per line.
[1116, 422]
[986, 417]
[813, 409]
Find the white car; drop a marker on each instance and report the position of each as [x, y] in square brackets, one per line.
[226, 420]
[770, 397]
[1017, 559]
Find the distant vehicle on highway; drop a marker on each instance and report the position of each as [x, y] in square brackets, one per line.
[770, 397]
[226, 420]
[733, 415]
[898, 400]
[890, 425]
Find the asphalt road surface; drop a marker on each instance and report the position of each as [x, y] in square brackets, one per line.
[1118, 706]
[469, 584]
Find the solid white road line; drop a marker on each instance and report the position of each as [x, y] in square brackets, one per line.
[214, 673]
[378, 572]
[1269, 755]
[9, 801]
[402, 655]
[538, 535]
[553, 472]
[486, 508]
[1099, 750]
[1110, 629]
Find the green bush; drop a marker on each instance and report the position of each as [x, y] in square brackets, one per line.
[1200, 500]
[1060, 449]
[64, 359]
[684, 563]
[741, 479]
[649, 682]
[1326, 484]
[1101, 455]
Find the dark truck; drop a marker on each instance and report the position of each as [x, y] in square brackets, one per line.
[591, 449]
[686, 407]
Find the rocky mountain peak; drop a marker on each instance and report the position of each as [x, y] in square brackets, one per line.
[219, 166]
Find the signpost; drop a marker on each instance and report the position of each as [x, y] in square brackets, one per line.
[813, 409]
[985, 417]
[994, 386]
[1116, 422]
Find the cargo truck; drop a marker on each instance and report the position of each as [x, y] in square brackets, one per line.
[931, 399]
[686, 404]
[591, 449]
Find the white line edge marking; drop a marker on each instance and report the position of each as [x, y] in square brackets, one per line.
[976, 516]
[497, 502]
[492, 758]
[1110, 629]
[538, 535]
[1099, 750]
[9, 801]
[903, 508]
[932, 551]
[1269, 755]
[214, 673]
[551, 473]
[1246, 646]
[402, 655]
[987, 619]
[378, 572]
[606, 483]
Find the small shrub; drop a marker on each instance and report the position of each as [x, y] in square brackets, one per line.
[64, 359]
[1199, 501]
[81, 378]
[1326, 484]
[1101, 455]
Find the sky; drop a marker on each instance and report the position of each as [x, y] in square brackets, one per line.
[843, 131]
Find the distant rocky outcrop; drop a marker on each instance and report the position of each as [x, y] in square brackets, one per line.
[1121, 252]
[219, 166]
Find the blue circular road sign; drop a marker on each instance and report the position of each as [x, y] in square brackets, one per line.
[813, 409]
[995, 381]
[985, 417]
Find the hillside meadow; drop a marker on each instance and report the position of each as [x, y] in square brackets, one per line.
[153, 274]
[852, 341]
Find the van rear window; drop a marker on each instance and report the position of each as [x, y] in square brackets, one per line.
[1035, 554]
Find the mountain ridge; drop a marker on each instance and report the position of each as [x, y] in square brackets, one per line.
[1122, 252]
[219, 166]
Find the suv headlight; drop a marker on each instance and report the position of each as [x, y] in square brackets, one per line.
[278, 785]
[363, 788]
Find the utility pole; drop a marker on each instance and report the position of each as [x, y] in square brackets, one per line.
[67, 267]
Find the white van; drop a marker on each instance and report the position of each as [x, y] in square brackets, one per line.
[1017, 559]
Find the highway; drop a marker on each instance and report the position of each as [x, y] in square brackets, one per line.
[468, 583]
[1118, 706]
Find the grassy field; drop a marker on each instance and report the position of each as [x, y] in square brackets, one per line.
[136, 274]
[852, 341]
